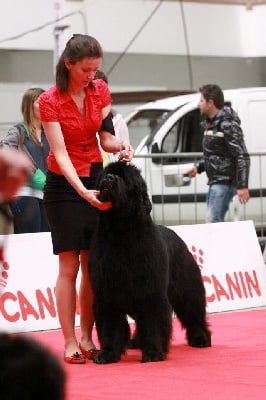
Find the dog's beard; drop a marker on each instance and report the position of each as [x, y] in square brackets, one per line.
[112, 188]
[105, 195]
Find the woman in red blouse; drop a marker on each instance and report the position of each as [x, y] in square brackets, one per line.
[72, 112]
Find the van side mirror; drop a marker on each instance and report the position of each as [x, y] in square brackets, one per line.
[177, 180]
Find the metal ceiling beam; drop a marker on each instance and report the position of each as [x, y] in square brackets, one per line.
[247, 3]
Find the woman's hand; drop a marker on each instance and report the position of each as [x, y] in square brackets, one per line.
[126, 152]
[91, 197]
[111, 144]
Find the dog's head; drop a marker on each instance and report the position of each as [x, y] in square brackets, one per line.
[122, 185]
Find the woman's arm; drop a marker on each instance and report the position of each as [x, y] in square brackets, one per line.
[57, 145]
[112, 144]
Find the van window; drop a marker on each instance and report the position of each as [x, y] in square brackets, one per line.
[185, 136]
[145, 123]
[256, 122]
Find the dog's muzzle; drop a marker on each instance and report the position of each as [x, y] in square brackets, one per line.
[106, 186]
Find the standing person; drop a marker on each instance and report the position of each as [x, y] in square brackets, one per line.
[226, 160]
[27, 206]
[120, 126]
[72, 112]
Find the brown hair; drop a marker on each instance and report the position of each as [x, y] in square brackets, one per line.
[27, 109]
[214, 93]
[78, 47]
[101, 75]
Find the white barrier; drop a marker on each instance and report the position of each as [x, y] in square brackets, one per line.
[228, 254]
[231, 264]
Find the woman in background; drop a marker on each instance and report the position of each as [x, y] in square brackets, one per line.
[27, 205]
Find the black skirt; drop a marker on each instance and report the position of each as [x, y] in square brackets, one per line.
[71, 219]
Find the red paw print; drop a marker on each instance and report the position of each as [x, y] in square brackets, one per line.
[4, 274]
[198, 256]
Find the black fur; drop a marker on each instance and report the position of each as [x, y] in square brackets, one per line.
[141, 269]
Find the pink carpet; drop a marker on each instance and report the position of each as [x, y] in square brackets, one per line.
[234, 368]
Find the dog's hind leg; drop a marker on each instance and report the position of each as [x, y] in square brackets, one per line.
[191, 312]
[197, 331]
[154, 327]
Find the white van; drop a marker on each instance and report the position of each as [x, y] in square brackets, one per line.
[171, 127]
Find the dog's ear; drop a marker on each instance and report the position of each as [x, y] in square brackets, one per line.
[142, 202]
[147, 207]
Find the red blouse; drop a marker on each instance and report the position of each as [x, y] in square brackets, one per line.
[79, 132]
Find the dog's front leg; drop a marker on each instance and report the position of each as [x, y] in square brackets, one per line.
[154, 328]
[113, 332]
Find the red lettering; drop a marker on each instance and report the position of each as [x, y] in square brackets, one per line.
[4, 298]
[219, 289]
[233, 285]
[243, 284]
[47, 303]
[252, 283]
[26, 308]
[210, 298]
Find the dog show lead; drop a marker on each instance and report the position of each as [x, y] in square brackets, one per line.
[72, 112]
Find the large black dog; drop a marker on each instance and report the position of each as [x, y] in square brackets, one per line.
[141, 269]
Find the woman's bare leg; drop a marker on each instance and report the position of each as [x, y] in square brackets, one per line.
[86, 304]
[66, 298]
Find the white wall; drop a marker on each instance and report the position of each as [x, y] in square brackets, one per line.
[214, 30]
[223, 42]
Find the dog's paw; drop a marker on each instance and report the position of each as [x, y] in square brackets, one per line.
[105, 357]
[152, 356]
[199, 339]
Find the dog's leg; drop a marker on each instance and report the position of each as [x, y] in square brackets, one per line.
[154, 327]
[192, 316]
[190, 307]
[113, 332]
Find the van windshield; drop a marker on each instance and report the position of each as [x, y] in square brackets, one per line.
[146, 123]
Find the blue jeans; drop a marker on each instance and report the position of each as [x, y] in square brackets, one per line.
[218, 200]
[29, 216]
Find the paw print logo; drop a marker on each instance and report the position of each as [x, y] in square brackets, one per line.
[4, 274]
[198, 255]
